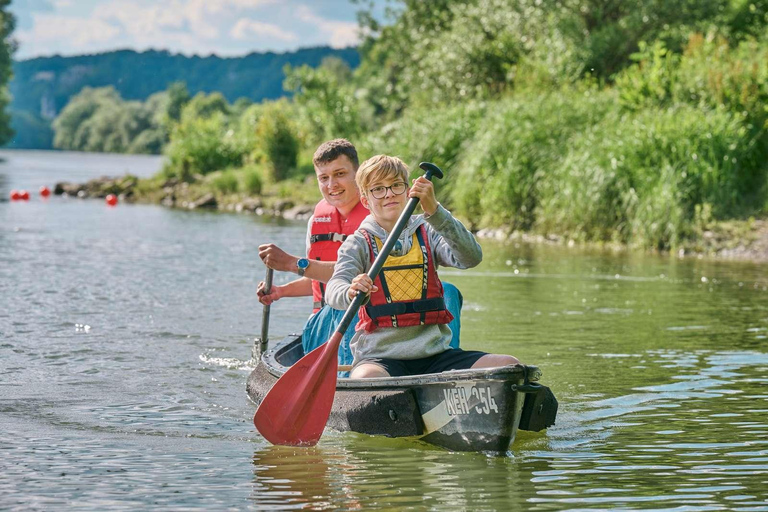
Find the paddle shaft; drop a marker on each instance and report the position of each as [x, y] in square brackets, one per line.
[386, 249]
[263, 342]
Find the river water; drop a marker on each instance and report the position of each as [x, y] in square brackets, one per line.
[125, 341]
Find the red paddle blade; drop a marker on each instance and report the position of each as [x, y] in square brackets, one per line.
[296, 409]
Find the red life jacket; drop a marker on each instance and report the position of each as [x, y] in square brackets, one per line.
[410, 293]
[327, 233]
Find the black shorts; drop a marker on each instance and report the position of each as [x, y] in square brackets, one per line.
[451, 359]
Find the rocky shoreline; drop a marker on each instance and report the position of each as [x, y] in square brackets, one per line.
[735, 240]
[176, 194]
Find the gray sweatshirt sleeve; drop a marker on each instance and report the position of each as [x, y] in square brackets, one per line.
[453, 244]
[353, 259]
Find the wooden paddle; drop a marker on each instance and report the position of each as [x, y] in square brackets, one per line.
[296, 409]
[264, 340]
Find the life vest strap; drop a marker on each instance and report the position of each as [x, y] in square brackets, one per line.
[402, 308]
[318, 304]
[327, 237]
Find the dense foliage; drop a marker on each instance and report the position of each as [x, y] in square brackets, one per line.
[639, 122]
[7, 23]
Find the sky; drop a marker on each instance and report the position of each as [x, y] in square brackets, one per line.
[191, 27]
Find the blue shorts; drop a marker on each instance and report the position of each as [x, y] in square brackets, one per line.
[321, 326]
[451, 359]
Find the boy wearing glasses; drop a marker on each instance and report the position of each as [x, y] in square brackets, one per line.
[403, 327]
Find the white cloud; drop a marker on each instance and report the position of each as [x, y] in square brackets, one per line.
[246, 29]
[224, 27]
[79, 32]
[149, 22]
[248, 4]
[342, 33]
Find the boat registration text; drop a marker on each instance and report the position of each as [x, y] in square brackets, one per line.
[467, 399]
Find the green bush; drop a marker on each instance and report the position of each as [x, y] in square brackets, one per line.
[326, 105]
[277, 141]
[202, 145]
[714, 75]
[252, 181]
[518, 143]
[225, 181]
[640, 177]
[652, 80]
[205, 106]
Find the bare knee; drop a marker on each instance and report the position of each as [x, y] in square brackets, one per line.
[368, 371]
[495, 360]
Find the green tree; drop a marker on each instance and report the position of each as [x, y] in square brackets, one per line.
[327, 106]
[447, 51]
[99, 120]
[7, 46]
[71, 130]
[277, 140]
[201, 145]
[178, 97]
[205, 106]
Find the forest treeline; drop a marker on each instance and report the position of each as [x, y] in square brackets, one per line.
[43, 86]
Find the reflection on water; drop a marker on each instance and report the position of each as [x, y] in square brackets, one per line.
[659, 365]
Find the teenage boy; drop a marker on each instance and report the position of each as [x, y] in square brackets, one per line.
[403, 328]
[335, 217]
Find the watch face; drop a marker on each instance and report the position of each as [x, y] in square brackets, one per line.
[302, 263]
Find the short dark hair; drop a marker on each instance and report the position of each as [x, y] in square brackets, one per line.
[333, 149]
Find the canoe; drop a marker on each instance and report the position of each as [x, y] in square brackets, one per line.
[462, 410]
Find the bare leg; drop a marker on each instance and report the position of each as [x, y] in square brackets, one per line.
[495, 360]
[366, 371]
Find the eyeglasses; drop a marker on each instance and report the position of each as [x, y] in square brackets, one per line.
[396, 188]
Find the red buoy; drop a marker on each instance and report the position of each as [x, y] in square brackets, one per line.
[111, 199]
[45, 191]
[15, 196]
[24, 195]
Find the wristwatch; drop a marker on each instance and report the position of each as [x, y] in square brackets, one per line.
[302, 265]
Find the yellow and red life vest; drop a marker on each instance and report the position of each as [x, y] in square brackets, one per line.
[410, 293]
[327, 233]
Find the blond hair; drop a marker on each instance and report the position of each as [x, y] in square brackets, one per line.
[380, 168]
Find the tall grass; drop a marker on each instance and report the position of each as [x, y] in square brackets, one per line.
[638, 177]
[516, 146]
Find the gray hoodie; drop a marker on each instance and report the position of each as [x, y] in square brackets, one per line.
[452, 246]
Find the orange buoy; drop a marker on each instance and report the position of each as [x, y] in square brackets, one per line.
[15, 196]
[111, 199]
[24, 195]
[45, 191]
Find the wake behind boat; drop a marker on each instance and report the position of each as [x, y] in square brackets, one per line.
[463, 410]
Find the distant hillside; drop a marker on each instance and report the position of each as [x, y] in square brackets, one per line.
[41, 87]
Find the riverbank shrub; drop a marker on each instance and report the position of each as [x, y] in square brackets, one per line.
[252, 180]
[277, 140]
[325, 101]
[202, 145]
[517, 145]
[639, 178]
[226, 181]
